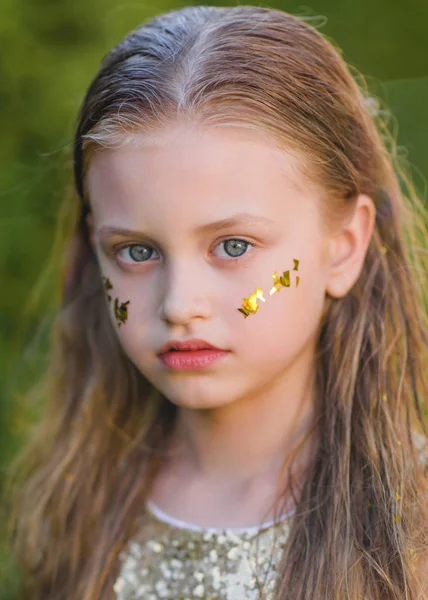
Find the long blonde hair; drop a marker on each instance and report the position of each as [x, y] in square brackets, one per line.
[78, 486]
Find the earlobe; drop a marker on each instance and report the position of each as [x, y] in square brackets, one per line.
[339, 286]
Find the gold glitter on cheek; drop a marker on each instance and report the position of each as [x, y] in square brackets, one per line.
[108, 286]
[283, 281]
[121, 312]
[276, 286]
[250, 305]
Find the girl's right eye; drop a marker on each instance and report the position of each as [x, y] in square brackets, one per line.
[136, 256]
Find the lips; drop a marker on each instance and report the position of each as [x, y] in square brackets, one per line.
[192, 360]
[193, 349]
[193, 345]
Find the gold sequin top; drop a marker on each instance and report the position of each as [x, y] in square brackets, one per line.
[176, 560]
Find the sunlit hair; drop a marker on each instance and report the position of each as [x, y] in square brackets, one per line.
[360, 527]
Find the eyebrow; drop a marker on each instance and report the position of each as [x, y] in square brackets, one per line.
[236, 219]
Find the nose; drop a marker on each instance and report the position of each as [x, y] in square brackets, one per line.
[184, 298]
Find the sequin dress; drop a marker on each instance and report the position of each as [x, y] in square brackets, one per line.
[178, 561]
[175, 560]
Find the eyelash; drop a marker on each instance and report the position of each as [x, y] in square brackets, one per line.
[117, 249]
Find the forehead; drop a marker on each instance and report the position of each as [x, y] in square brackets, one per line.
[190, 171]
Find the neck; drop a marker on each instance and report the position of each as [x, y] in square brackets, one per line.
[249, 440]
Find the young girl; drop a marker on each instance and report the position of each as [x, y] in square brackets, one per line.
[238, 201]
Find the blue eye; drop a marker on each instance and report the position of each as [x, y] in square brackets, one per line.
[140, 253]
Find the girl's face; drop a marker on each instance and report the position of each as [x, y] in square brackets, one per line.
[184, 279]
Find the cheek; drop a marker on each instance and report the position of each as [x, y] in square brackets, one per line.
[282, 324]
[127, 310]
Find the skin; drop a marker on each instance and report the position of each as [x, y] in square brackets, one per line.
[240, 417]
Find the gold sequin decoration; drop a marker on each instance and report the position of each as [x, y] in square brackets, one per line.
[283, 281]
[121, 312]
[250, 305]
[108, 286]
[166, 561]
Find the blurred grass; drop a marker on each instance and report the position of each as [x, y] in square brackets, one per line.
[51, 51]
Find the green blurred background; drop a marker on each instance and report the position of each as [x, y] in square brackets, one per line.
[51, 50]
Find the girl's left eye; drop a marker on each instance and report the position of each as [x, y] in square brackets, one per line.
[141, 253]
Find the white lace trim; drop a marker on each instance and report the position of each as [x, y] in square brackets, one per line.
[162, 516]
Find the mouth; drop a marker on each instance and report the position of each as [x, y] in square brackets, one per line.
[198, 350]
[191, 360]
[191, 349]
[188, 346]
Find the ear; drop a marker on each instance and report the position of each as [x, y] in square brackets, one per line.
[90, 223]
[347, 249]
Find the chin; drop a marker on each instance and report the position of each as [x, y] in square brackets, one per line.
[199, 403]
